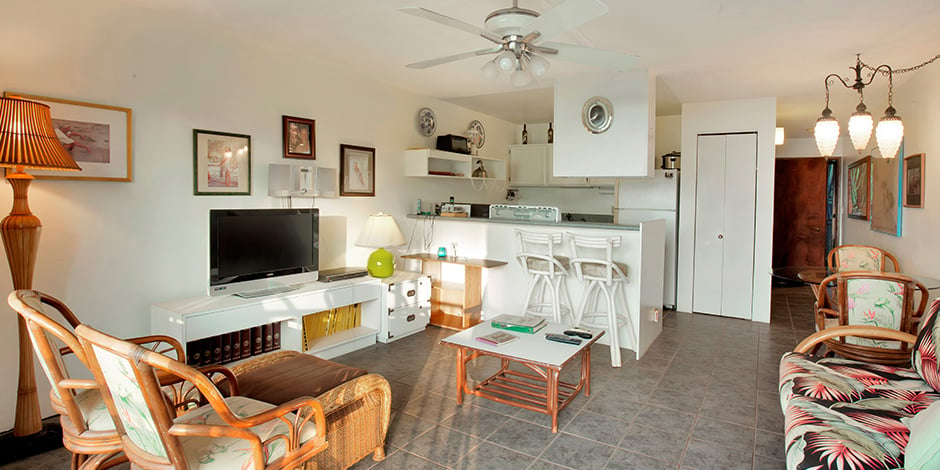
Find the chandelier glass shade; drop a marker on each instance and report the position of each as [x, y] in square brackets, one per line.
[889, 134]
[520, 61]
[860, 126]
[827, 133]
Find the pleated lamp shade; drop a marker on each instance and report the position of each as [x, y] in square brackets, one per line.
[27, 138]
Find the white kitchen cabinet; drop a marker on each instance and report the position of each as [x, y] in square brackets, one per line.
[440, 164]
[406, 307]
[725, 200]
[531, 165]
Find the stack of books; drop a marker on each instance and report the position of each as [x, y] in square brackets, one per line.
[518, 323]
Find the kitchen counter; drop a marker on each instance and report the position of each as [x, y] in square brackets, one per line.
[563, 223]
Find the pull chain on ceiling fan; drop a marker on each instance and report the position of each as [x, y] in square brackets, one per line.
[517, 32]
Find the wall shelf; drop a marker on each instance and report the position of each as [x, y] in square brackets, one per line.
[432, 163]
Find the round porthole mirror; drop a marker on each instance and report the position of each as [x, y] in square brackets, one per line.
[597, 114]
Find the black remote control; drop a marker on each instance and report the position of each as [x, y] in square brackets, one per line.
[559, 338]
[579, 333]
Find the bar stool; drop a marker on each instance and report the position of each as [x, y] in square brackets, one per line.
[547, 295]
[602, 275]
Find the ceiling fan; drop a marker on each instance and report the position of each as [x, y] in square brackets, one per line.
[517, 33]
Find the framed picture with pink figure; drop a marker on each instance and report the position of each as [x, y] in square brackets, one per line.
[356, 171]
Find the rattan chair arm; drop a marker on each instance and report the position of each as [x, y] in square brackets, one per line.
[79, 384]
[155, 343]
[864, 331]
[353, 390]
[828, 312]
[208, 430]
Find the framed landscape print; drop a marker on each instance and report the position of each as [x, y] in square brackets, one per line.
[97, 136]
[299, 137]
[914, 180]
[859, 174]
[886, 195]
[221, 163]
[356, 171]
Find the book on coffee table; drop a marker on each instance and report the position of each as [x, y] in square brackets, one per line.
[497, 338]
[518, 323]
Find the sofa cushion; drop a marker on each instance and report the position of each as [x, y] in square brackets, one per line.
[923, 448]
[293, 377]
[924, 357]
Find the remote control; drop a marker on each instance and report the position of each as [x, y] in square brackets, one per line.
[579, 333]
[559, 338]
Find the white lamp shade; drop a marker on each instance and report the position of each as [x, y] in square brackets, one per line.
[490, 70]
[538, 65]
[778, 136]
[380, 231]
[827, 135]
[889, 134]
[860, 126]
[521, 78]
[506, 61]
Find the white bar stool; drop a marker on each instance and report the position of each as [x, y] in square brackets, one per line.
[547, 272]
[602, 275]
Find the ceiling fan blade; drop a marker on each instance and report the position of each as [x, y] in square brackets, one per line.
[610, 60]
[568, 15]
[453, 23]
[453, 58]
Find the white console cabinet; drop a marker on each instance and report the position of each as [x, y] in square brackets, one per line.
[203, 317]
[407, 307]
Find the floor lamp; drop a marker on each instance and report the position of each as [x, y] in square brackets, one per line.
[27, 140]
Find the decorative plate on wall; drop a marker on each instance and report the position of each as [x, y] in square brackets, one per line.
[427, 122]
[597, 114]
[476, 134]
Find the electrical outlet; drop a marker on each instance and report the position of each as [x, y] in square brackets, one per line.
[656, 314]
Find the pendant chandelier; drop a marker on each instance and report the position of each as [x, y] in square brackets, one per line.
[890, 129]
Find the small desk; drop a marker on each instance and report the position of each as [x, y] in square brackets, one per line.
[455, 305]
[541, 391]
[813, 275]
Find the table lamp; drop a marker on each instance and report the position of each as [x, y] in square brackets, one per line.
[380, 231]
[27, 140]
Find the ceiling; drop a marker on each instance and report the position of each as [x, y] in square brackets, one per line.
[699, 50]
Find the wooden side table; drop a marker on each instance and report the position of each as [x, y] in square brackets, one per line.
[455, 305]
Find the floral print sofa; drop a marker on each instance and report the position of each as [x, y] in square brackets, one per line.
[846, 414]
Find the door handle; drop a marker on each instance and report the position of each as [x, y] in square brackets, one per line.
[410, 293]
[817, 229]
[720, 236]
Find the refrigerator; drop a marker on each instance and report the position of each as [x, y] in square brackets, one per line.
[643, 199]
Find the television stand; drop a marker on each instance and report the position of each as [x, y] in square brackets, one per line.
[251, 294]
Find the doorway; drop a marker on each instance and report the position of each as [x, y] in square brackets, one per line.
[806, 211]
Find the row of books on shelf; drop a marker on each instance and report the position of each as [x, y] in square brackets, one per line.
[234, 346]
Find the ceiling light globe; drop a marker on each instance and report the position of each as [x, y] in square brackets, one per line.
[827, 135]
[860, 126]
[889, 134]
[521, 78]
[538, 65]
[506, 61]
[490, 70]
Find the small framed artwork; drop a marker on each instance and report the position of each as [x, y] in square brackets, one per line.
[221, 163]
[299, 137]
[859, 190]
[97, 136]
[356, 171]
[914, 180]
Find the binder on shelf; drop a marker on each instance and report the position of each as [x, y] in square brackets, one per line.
[216, 350]
[206, 358]
[194, 352]
[257, 340]
[226, 347]
[235, 338]
[245, 336]
[277, 336]
[268, 337]
[518, 323]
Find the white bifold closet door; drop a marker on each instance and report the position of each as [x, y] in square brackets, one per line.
[725, 199]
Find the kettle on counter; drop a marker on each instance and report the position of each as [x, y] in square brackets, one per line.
[671, 161]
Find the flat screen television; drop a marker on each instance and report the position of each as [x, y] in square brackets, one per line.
[262, 251]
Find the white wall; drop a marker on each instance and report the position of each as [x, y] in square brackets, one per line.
[918, 104]
[722, 117]
[109, 250]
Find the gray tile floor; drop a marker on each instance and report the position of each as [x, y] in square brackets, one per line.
[703, 397]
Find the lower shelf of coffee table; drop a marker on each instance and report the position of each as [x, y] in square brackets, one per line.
[524, 390]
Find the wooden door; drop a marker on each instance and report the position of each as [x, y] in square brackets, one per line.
[800, 212]
[725, 202]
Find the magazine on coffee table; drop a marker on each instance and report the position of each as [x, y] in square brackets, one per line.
[497, 338]
[518, 323]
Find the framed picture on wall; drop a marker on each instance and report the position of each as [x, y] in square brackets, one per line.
[299, 137]
[859, 189]
[97, 136]
[914, 180]
[356, 171]
[221, 163]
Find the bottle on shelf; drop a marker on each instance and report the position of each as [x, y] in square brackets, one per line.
[551, 133]
[525, 135]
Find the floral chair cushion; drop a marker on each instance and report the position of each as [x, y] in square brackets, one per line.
[924, 359]
[874, 302]
[91, 403]
[860, 258]
[230, 452]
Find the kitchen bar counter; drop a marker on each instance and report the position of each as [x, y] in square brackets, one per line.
[563, 223]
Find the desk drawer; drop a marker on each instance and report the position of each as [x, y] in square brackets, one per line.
[403, 321]
[409, 292]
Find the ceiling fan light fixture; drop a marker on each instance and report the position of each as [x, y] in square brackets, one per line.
[490, 70]
[860, 127]
[889, 133]
[827, 133]
[538, 65]
[506, 61]
[521, 78]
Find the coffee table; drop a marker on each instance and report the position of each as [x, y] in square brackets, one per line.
[539, 391]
